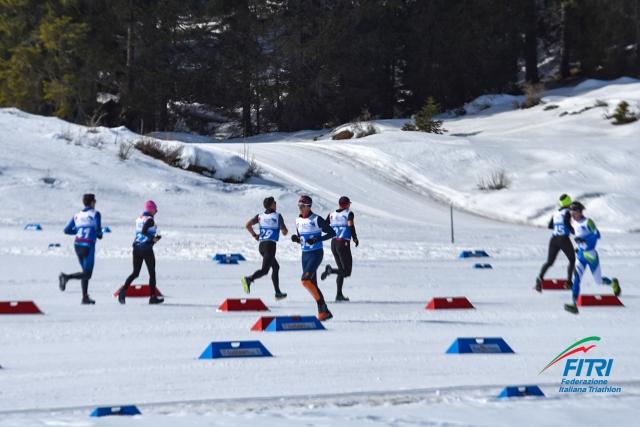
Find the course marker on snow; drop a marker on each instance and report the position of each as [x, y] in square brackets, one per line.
[262, 323]
[106, 229]
[438, 303]
[482, 266]
[227, 349]
[601, 300]
[228, 258]
[54, 245]
[250, 304]
[288, 323]
[294, 323]
[479, 346]
[35, 227]
[106, 411]
[478, 253]
[521, 391]
[19, 307]
[136, 291]
[554, 284]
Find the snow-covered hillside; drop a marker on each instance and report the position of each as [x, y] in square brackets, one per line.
[382, 360]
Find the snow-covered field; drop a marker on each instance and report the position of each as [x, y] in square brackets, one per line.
[382, 359]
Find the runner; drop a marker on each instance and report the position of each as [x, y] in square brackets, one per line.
[560, 223]
[146, 237]
[341, 220]
[586, 238]
[86, 225]
[271, 224]
[309, 229]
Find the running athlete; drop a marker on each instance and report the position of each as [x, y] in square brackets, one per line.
[271, 223]
[586, 238]
[341, 220]
[309, 229]
[146, 237]
[560, 223]
[86, 226]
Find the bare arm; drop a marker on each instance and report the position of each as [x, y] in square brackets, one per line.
[283, 226]
[249, 226]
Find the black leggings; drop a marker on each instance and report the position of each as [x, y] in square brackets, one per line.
[341, 250]
[557, 244]
[267, 249]
[140, 256]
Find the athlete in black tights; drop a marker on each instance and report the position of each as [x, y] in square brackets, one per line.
[271, 224]
[146, 237]
[560, 223]
[342, 222]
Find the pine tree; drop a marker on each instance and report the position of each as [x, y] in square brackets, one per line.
[622, 115]
[425, 118]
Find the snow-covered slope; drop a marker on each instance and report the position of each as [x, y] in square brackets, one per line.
[382, 360]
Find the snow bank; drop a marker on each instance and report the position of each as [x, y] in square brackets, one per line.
[544, 152]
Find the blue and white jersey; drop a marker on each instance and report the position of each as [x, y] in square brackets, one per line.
[86, 227]
[308, 227]
[586, 234]
[559, 223]
[269, 226]
[144, 237]
[339, 221]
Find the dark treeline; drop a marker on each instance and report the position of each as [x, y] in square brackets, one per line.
[289, 65]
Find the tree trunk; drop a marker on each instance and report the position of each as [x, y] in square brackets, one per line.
[531, 42]
[565, 55]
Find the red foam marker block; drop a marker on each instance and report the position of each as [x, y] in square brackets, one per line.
[19, 307]
[448, 302]
[139, 291]
[554, 284]
[262, 323]
[591, 300]
[249, 304]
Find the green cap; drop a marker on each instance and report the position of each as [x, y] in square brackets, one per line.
[565, 201]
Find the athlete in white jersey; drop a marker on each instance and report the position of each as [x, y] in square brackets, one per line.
[586, 238]
[342, 222]
[271, 224]
[309, 234]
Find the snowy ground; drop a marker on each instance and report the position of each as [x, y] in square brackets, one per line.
[382, 359]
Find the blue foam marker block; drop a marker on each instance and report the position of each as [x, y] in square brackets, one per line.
[521, 391]
[106, 229]
[483, 266]
[223, 257]
[37, 227]
[294, 323]
[54, 245]
[473, 254]
[228, 261]
[479, 346]
[116, 410]
[230, 349]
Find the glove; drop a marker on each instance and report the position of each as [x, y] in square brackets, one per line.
[311, 241]
[156, 238]
[256, 237]
[295, 238]
[356, 241]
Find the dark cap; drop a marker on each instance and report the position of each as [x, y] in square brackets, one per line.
[576, 206]
[305, 200]
[344, 202]
[88, 198]
[267, 202]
